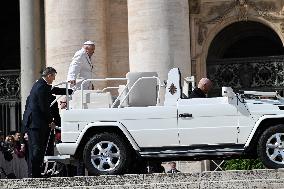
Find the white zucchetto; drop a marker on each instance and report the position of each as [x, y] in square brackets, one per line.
[89, 43]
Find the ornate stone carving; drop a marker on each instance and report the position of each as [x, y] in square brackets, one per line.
[263, 6]
[242, 9]
[282, 27]
[221, 11]
[267, 10]
[202, 31]
[194, 6]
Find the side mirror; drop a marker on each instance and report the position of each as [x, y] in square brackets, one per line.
[228, 92]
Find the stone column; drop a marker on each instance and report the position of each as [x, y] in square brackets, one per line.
[69, 23]
[117, 40]
[159, 36]
[12, 116]
[32, 48]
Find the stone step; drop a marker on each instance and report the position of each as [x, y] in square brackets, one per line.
[222, 179]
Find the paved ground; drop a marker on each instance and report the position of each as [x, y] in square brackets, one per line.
[268, 179]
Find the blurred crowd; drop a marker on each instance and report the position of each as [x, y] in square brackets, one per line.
[13, 155]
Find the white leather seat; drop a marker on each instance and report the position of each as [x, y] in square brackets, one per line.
[144, 93]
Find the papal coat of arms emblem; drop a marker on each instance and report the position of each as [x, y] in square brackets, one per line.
[172, 89]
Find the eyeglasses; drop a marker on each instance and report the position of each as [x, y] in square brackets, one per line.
[62, 102]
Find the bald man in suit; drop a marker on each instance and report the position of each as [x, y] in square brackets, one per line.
[202, 89]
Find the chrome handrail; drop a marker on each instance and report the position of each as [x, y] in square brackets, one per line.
[126, 86]
[138, 80]
[67, 94]
[106, 79]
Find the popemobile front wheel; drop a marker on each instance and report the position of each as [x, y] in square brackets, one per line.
[107, 154]
[271, 147]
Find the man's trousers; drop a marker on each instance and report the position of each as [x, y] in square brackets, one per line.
[37, 145]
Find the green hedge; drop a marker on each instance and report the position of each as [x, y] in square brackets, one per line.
[243, 164]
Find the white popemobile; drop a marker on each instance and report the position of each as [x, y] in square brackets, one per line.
[123, 136]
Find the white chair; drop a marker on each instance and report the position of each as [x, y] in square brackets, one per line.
[144, 92]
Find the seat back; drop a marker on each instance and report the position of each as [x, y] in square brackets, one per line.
[145, 91]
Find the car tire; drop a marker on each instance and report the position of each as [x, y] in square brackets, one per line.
[107, 154]
[271, 147]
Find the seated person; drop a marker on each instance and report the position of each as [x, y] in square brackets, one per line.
[173, 168]
[202, 89]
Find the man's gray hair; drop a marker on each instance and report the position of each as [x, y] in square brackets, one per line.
[47, 71]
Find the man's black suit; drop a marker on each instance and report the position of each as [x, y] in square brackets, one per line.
[197, 93]
[37, 118]
[38, 114]
[173, 171]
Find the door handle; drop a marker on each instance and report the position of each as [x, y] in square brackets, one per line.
[185, 115]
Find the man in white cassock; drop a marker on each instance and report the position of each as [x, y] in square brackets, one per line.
[81, 67]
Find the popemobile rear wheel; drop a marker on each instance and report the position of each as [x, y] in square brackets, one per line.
[271, 147]
[107, 154]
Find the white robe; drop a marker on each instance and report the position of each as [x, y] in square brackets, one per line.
[81, 68]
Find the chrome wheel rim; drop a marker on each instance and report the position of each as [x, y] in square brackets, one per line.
[105, 156]
[275, 148]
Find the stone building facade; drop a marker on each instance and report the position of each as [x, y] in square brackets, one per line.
[237, 43]
[156, 35]
[130, 35]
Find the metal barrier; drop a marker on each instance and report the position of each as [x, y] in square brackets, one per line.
[10, 104]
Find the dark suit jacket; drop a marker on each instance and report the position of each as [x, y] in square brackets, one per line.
[173, 171]
[38, 112]
[197, 93]
[60, 91]
[54, 108]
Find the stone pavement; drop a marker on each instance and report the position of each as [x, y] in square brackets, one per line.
[262, 179]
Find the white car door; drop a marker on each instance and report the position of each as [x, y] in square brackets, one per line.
[207, 121]
[154, 126]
